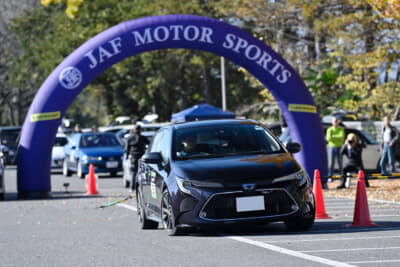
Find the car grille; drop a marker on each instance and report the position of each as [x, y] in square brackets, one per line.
[111, 158]
[222, 206]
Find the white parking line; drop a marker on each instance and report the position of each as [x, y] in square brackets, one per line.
[349, 229]
[382, 261]
[372, 216]
[346, 249]
[352, 205]
[288, 251]
[271, 247]
[352, 208]
[331, 200]
[331, 239]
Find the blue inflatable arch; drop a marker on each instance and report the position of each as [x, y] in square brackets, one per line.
[154, 33]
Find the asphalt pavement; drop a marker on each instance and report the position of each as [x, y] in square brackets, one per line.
[69, 229]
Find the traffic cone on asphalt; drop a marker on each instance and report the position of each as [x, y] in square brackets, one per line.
[361, 211]
[320, 212]
[91, 182]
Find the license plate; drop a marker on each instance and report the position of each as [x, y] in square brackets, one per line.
[255, 203]
[111, 164]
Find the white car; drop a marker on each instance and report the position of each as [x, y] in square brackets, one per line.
[57, 154]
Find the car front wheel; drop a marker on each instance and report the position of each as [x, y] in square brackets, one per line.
[167, 215]
[144, 222]
[79, 170]
[302, 222]
[65, 170]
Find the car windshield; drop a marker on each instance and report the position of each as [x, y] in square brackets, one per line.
[223, 140]
[9, 137]
[61, 141]
[99, 140]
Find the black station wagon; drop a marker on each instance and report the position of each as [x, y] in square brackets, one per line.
[218, 172]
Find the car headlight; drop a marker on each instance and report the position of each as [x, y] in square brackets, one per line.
[301, 176]
[185, 185]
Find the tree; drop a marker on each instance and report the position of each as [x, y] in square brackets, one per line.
[160, 81]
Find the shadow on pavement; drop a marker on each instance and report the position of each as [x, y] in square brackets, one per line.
[278, 228]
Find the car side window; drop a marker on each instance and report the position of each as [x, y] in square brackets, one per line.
[165, 145]
[156, 142]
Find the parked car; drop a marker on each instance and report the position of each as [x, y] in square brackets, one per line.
[126, 162]
[57, 154]
[371, 151]
[2, 190]
[234, 171]
[9, 137]
[103, 150]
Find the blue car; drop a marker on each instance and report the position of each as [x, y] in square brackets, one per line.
[103, 150]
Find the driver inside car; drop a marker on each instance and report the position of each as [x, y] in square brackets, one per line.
[188, 146]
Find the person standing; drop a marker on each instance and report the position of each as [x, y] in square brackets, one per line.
[390, 137]
[77, 128]
[135, 147]
[335, 137]
[352, 150]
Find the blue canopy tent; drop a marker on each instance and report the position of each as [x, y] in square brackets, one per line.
[201, 112]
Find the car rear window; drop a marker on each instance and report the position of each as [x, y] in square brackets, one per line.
[99, 140]
[223, 140]
[61, 141]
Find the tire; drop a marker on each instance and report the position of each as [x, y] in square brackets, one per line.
[126, 183]
[167, 216]
[79, 171]
[301, 222]
[378, 165]
[65, 170]
[144, 222]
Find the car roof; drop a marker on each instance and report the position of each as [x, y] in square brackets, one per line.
[5, 128]
[96, 133]
[213, 122]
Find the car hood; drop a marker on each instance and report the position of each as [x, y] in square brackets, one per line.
[111, 151]
[234, 168]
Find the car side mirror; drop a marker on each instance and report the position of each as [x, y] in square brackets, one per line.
[152, 157]
[293, 147]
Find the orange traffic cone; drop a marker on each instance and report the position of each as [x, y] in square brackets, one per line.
[361, 211]
[320, 212]
[91, 182]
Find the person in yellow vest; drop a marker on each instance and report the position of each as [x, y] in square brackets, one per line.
[335, 136]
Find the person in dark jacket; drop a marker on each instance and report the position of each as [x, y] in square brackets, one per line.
[390, 138]
[352, 150]
[135, 147]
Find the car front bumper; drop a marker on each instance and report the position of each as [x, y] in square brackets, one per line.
[101, 166]
[208, 207]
